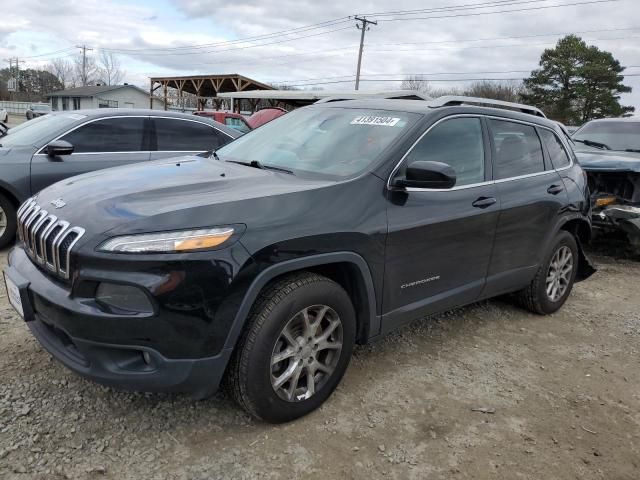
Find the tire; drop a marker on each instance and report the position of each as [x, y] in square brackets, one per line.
[536, 297]
[252, 379]
[8, 221]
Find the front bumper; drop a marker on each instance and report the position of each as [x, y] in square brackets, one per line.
[77, 334]
[620, 217]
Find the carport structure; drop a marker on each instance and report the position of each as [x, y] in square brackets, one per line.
[205, 87]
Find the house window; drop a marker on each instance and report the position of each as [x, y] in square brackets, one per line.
[54, 103]
[129, 105]
[65, 103]
[76, 103]
[102, 103]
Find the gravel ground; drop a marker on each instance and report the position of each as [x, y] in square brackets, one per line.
[488, 391]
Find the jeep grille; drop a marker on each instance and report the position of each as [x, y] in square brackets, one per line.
[47, 239]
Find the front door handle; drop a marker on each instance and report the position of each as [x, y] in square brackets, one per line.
[484, 202]
[555, 189]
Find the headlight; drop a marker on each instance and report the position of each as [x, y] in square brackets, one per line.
[168, 242]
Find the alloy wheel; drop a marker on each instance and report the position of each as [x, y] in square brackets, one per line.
[3, 221]
[559, 274]
[306, 353]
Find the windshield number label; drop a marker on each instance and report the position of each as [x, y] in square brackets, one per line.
[370, 120]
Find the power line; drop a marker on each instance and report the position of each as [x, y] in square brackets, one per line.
[50, 53]
[231, 49]
[506, 38]
[484, 79]
[293, 31]
[338, 51]
[436, 9]
[348, 47]
[475, 14]
[297, 30]
[421, 76]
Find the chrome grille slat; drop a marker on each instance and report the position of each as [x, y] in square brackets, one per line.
[27, 225]
[47, 239]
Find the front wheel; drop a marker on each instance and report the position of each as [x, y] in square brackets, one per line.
[8, 221]
[554, 280]
[295, 349]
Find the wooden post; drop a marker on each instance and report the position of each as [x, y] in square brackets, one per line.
[165, 94]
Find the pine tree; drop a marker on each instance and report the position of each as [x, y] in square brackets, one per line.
[576, 83]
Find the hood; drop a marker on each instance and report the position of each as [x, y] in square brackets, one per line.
[608, 160]
[183, 192]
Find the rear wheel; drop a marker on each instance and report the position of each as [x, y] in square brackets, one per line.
[8, 221]
[554, 280]
[295, 350]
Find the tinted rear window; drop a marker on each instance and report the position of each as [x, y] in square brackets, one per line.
[176, 135]
[558, 154]
[518, 149]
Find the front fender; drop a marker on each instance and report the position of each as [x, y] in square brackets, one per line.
[288, 266]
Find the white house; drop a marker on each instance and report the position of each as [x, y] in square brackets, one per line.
[102, 96]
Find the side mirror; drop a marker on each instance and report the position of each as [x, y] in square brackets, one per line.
[423, 174]
[59, 147]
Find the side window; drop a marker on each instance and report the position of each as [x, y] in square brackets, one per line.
[178, 135]
[556, 150]
[121, 134]
[518, 149]
[458, 143]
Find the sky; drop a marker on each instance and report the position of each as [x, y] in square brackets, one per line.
[450, 40]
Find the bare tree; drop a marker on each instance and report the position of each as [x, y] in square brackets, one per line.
[416, 82]
[496, 90]
[63, 70]
[109, 68]
[85, 72]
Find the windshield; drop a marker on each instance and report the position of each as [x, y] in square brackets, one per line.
[39, 129]
[41, 108]
[330, 142]
[610, 135]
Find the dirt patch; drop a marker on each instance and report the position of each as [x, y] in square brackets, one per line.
[563, 389]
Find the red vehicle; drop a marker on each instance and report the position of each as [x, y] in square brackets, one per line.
[230, 119]
[265, 115]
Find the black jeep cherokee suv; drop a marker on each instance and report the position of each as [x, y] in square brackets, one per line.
[264, 263]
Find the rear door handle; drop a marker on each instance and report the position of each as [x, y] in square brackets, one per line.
[484, 202]
[555, 189]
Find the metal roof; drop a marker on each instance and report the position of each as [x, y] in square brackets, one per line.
[208, 85]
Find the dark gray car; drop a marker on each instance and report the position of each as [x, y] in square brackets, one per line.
[63, 144]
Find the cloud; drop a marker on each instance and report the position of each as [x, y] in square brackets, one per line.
[395, 48]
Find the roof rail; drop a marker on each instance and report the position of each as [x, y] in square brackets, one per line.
[451, 100]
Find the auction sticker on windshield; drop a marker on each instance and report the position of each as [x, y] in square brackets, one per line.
[371, 120]
[13, 292]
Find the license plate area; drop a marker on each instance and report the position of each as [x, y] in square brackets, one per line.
[18, 294]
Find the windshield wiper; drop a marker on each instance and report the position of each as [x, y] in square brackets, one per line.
[591, 143]
[261, 166]
[209, 154]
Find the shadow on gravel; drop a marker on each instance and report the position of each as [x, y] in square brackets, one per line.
[615, 245]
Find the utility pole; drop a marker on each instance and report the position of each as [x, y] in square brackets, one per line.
[84, 63]
[363, 28]
[14, 75]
